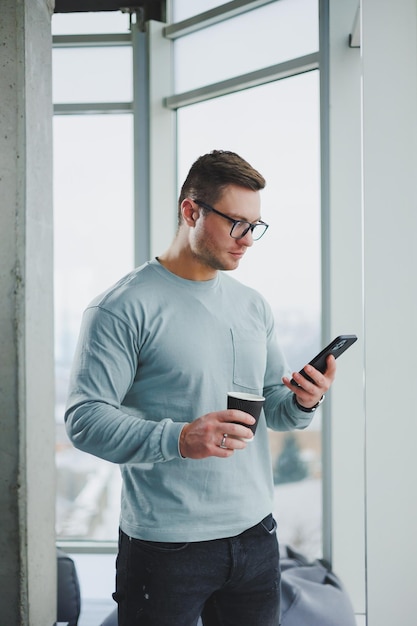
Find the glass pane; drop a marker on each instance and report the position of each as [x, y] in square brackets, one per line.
[183, 9]
[92, 74]
[88, 23]
[276, 128]
[272, 34]
[93, 231]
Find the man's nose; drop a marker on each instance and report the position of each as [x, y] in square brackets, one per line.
[247, 240]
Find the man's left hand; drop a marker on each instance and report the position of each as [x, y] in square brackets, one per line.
[308, 393]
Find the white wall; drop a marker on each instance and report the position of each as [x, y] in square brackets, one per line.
[373, 443]
[389, 74]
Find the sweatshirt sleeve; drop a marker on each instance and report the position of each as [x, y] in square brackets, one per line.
[103, 370]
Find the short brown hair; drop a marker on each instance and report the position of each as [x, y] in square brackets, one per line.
[211, 173]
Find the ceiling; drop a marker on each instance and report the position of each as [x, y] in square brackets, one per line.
[153, 9]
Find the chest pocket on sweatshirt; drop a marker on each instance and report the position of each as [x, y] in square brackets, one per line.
[249, 359]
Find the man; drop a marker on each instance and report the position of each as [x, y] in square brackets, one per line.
[157, 354]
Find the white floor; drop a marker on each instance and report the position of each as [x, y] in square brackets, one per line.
[94, 612]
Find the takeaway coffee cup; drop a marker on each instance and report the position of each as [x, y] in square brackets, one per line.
[247, 402]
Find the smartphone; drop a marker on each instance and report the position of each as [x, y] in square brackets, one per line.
[335, 347]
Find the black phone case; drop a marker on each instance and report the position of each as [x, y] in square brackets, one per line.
[335, 347]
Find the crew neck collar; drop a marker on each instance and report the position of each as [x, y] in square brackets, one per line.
[195, 284]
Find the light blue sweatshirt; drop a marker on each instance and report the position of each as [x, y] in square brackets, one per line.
[157, 351]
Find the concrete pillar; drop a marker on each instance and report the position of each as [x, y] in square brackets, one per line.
[27, 493]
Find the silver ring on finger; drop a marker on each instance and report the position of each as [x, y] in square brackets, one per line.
[223, 442]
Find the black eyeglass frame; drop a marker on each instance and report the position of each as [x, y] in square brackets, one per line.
[250, 227]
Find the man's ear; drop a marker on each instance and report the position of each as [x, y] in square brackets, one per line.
[189, 212]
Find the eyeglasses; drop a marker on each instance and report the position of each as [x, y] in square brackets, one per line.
[240, 228]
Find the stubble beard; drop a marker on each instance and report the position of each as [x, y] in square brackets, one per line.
[205, 256]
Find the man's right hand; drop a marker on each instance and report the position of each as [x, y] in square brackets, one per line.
[204, 436]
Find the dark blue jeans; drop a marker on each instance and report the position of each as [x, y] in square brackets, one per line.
[229, 582]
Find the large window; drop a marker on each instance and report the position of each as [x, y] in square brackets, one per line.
[93, 234]
[275, 126]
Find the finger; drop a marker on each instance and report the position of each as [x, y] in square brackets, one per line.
[239, 424]
[322, 381]
[301, 382]
[316, 376]
[287, 382]
[309, 393]
[222, 453]
[331, 367]
[222, 449]
[238, 431]
[234, 415]
[231, 443]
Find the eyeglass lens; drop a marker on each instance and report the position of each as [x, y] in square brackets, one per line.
[240, 229]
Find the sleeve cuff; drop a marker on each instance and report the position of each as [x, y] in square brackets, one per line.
[170, 440]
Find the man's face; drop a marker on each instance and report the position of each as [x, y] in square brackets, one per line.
[210, 240]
